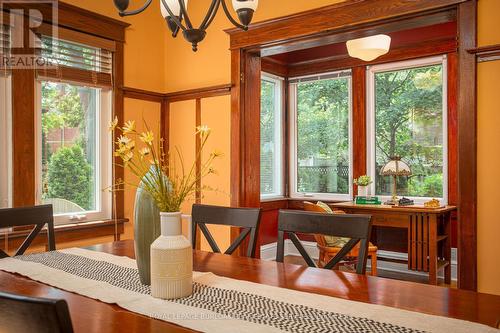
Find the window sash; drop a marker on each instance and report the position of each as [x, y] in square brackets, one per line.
[370, 118]
[278, 136]
[103, 172]
[293, 172]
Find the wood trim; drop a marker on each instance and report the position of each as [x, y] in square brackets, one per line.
[452, 60]
[219, 90]
[467, 147]
[329, 19]
[145, 95]
[118, 112]
[67, 233]
[358, 123]
[486, 53]
[79, 19]
[274, 204]
[423, 49]
[271, 66]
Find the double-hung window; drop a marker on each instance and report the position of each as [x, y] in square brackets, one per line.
[407, 118]
[320, 136]
[271, 137]
[74, 146]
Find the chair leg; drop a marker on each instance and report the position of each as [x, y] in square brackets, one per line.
[374, 264]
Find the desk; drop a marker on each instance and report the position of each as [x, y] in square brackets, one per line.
[89, 315]
[429, 233]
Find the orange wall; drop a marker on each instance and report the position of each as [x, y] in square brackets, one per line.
[488, 182]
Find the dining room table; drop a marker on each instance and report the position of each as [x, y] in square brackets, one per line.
[91, 315]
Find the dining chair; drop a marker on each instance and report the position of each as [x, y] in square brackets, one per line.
[327, 252]
[32, 314]
[354, 226]
[246, 218]
[38, 216]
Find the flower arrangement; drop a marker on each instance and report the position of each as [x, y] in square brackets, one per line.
[362, 180]
[168, 184]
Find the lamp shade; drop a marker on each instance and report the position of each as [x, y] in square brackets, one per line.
[395, 167]
[369, 48]
[174, 6]
[245, 4]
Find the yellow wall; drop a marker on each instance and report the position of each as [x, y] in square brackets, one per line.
[488, 110]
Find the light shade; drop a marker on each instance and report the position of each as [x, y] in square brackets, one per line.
[245, 4]
[174, 6]
[369, 48]
[395, 167]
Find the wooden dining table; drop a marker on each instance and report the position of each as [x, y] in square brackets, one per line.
[89, 315]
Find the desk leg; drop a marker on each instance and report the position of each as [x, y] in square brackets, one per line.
[433, 249]
[447, 247]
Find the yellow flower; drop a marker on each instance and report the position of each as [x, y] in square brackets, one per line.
[217, 153]
[112, 124]
[123, 140]
[129, 127]
[203, 130]
[144, 151]
[128, 156]
[147, 137]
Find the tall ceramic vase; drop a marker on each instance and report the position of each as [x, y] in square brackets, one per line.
[146, 230]
[171, 260]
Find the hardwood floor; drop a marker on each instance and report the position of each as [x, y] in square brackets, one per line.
[297, 260]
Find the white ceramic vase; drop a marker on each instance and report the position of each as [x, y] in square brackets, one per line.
[171, 260]
[363, 191]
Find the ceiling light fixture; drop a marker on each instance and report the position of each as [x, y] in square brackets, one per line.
[369, 48]
[175, 11]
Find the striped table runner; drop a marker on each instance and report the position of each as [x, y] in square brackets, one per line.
[221, 304]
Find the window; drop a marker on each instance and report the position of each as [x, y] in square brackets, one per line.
[407, 117]
[74, 157]
[320, 136]
[271, 137]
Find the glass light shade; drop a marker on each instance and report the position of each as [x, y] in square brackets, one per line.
[245, 4]
[395, 167]
[174, 6]
[369, 48]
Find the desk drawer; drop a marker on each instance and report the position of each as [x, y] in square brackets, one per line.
[386, 219]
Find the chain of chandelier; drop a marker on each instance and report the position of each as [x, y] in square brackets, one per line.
[175, 14]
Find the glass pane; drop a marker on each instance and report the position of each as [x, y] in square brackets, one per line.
[409, 124]
[69, 144]
[269, 139]
[323, 136]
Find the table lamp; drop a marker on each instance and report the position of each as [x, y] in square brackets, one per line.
[395, 167]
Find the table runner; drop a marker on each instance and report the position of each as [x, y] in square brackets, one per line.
[220, 304]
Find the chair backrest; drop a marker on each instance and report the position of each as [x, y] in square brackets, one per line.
[27, 216]
[29, 314]
[353, 226]
[246, 218]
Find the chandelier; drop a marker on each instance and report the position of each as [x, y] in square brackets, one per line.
[175, 12]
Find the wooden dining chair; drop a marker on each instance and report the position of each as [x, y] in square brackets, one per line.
[31, 314]
[353, 226]
[38, 216]
[326, 252]
[246, 218]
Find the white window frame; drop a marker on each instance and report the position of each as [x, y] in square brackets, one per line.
[278, 136]
[293, 144]
[370, 117]
[5, 141]
[103, 172]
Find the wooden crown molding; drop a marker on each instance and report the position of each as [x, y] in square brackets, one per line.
[177, 96]
[486, 53]
[325, 20]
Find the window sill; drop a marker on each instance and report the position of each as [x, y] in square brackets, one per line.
[290, 203]
[69, 232]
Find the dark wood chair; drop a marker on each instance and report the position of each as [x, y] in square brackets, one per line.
[27, 216]
[246, 218]
[353, 226]
[30, 314]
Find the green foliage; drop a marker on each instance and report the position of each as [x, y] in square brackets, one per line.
[69, 176]
[62, 105]
[267, 128]
[363, 180]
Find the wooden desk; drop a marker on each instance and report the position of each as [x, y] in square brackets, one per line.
[89, 315]
[429, 233]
